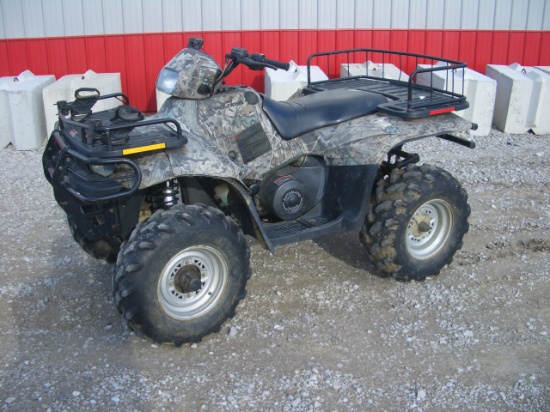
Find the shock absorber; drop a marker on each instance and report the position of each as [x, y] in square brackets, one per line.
[166, 195]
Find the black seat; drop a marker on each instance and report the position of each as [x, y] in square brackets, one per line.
[298, 116]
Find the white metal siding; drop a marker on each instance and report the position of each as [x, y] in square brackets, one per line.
[192, 15]
[452, 14]
[436, 13]
[13, 19]
[211, 15]
[269, 14]
[519, 15]
[345, 14]
[400, 12]
[93, 23]
[381, 14]
[231, 13]
[470, 10]
[73, 17]
[417, 13]
[486, 15]
[535, 14]
[288, 14]
[112, 15]
[2, 29]
[327, 15]
[52, 18]
[363, 14]
[251, 11]
[33, 17]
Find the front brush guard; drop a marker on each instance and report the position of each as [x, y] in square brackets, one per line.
[69, 170]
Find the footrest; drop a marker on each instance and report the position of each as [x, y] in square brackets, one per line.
[283, 229]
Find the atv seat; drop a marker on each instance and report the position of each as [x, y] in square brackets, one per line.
[298, 116]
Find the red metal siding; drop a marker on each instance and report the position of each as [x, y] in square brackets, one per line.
[483, 45]
[531, 49]
[37, 55]
[544, 56]
[139, 57]
[115, 53]
[95, 54]
[58, 59]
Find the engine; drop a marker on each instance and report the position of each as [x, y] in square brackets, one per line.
[294, 189]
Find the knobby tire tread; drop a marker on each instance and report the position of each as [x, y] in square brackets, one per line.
[392, 199]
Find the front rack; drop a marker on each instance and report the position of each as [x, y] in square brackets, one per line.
[115, 132]
[410, 98]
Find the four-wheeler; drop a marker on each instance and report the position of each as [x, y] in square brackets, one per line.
[169, 198]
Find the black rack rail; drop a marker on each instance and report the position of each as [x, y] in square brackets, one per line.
[115, 132]
[408, 99]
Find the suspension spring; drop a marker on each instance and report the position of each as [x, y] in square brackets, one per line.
[166, 195]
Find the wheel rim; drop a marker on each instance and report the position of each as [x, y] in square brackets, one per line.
[192, 282]
[429, 229]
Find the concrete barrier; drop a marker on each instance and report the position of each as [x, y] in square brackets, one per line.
[480, 91]
[523, 95]
[65, 87]
[382, 70]
[281, 84]
[23, 105]
[5, 132]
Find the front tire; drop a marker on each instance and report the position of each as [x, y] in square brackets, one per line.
[105, 248]
[181, 274]
[416, 222]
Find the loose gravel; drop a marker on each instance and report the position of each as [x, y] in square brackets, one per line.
[317, 331]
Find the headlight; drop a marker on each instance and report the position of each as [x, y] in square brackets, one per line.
[166, 82]
[103, 170]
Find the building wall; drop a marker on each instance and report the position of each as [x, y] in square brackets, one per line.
[136, 37]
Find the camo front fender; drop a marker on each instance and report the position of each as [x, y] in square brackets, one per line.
[197, 158]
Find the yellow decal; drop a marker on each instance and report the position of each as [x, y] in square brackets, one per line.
[143, 149]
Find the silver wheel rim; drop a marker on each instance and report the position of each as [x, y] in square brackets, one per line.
[429, 229]
[192, 282]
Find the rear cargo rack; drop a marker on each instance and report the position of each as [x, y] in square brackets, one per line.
[115, 132]
[408, 98]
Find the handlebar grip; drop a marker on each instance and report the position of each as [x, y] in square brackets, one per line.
[277, 64]
[260, 58]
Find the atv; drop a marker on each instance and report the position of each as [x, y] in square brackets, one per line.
[168, 198]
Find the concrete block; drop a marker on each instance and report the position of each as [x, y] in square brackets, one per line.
[5, 132]
[65, 87]
[281, 84]
[545, 69]
[522, 96]
[480, 91]
[25, 109]
[57, 91]
[538, 118]
[512, 100]
[382, 70]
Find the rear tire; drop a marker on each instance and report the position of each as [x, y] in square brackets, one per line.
[181, 274]
[416, 223]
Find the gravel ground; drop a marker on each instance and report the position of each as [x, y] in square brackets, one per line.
[317, 331]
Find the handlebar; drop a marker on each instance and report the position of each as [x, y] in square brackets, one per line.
[258, 57]
[255, 61]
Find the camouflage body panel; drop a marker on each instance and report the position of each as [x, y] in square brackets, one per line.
[197, 74]
[215, 125]
[367, 140]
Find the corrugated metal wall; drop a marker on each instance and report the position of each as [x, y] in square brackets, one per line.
[136, 37]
